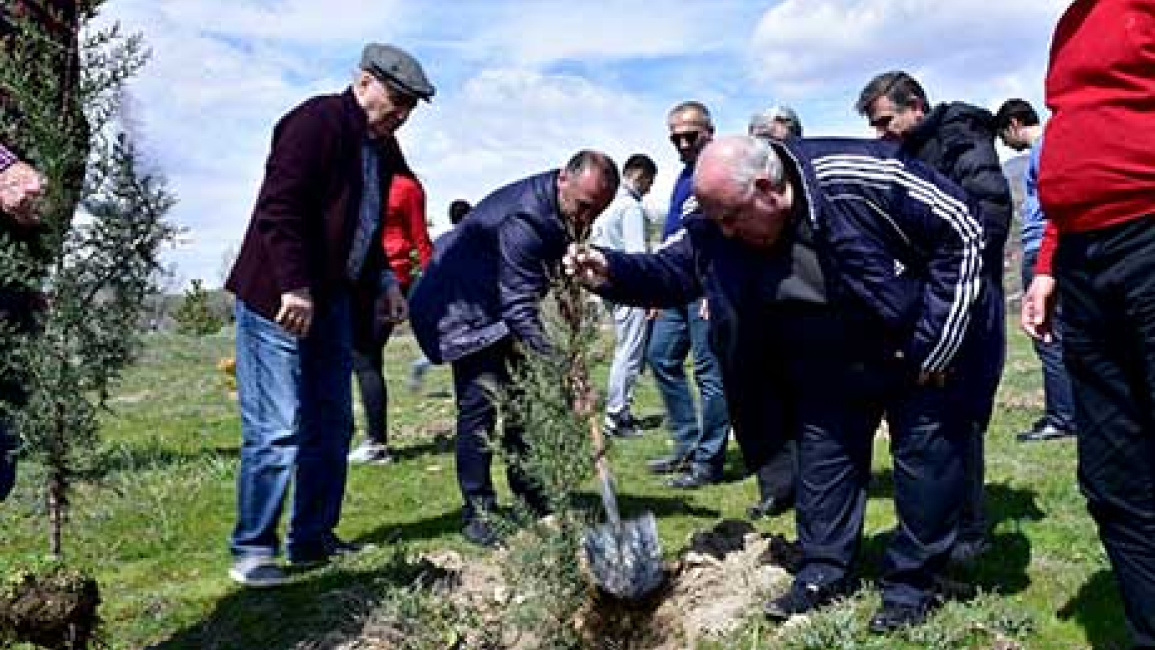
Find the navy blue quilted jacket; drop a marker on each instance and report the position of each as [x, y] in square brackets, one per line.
[489, 274]
[896, 240]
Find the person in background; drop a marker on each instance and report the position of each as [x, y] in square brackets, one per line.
[405, 239]
[477, 307]
[777, 123]
[21, 187]
[958, 141]
[458, 208]
[699, 431]
[309, 252]
[1097, 188]
[1019, 128]
[776, 476]
[623, 228]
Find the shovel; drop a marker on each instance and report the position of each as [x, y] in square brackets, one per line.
[625, 557]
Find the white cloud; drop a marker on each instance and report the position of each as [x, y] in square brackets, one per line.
[822, 47]
[522, 84]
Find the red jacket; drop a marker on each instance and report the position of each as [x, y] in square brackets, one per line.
[1098, 166]
[404, 231]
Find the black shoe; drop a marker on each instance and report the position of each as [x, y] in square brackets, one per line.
[691, 480]
[480, 533]
[335, 547]
[967, 551]
[770, 507]
[803, 598]
[1043, 433]
[624, 428]
[892, 616]
[666, 465]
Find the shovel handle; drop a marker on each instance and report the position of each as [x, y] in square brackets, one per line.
[605, 476]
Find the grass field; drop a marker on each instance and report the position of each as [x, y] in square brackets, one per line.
[151, 522]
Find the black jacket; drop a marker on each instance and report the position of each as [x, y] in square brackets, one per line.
[896, 239]
[489, 274]
[958, 141]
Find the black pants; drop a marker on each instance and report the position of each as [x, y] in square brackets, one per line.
[1107, 283]
[480, 381]
[753, 357]
[974, 383]
[368, 368]
[839, 390]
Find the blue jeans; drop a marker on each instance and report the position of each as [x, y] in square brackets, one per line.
[296, 422]
[1059, 409]
[675, 332]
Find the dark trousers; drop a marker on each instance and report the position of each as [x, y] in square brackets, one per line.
[839, 398]
[368, 368]
[755, 380]
[973, 384]
[1059, 405]
[481, 381]
[1107, 283]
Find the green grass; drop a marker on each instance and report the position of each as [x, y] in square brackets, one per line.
[152, 522]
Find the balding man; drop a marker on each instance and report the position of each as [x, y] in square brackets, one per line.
[476, 306]
[859, 269]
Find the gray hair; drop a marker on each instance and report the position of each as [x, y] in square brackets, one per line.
[755, 157]
[778, 113]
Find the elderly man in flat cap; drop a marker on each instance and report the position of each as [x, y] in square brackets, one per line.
[307, 256]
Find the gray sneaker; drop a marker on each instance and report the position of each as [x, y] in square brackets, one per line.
[258, 572]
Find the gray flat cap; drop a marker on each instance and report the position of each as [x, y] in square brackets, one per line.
[397, 68]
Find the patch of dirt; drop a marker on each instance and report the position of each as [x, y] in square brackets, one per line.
[56, 609]
[720, 578]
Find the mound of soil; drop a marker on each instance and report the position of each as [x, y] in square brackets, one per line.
[52, 610]
[720, 577]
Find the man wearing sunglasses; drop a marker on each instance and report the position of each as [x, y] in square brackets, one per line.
[308, 255]
[699, 440]
[958, 141]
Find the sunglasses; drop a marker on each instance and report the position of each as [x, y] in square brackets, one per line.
[689, 137]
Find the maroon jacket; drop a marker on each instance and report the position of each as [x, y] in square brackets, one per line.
[303, 222]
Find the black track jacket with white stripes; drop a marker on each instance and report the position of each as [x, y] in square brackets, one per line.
[894, 237]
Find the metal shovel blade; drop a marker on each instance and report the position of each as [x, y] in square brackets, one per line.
[626, 559]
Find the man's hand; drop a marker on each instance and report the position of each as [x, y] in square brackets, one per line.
[586, 264]
[935, 379]
[1038, 308]
[296, 313]
[395, 308]
[21, 187]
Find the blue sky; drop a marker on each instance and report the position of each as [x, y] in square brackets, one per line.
[522, 84]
